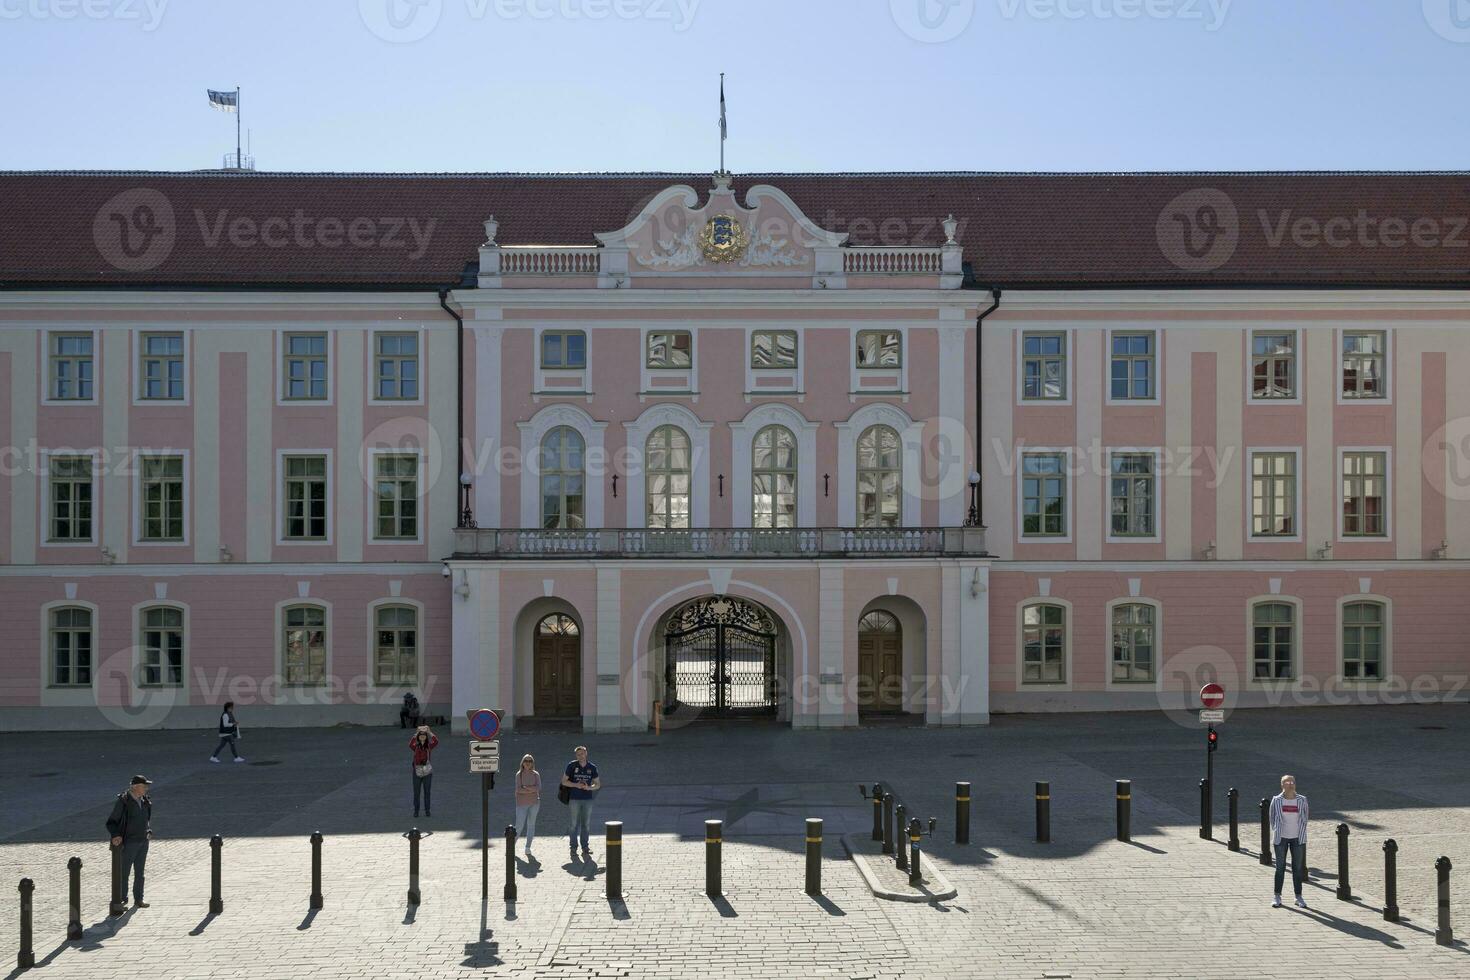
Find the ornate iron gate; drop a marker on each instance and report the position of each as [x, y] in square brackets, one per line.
[720, 658]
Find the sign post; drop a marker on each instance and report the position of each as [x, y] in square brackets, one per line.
[485, 760]
[1212, 696]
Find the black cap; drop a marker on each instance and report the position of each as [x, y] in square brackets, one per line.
[142, 779]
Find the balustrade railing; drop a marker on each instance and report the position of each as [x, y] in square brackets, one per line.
[720, 542]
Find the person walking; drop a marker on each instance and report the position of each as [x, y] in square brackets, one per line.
[1289, 834]
[582, 783]
[229, 731]
[130, 827]
[423, 743]
[528, 800]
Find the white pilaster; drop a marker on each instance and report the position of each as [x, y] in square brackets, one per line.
[831, 698]
[971, 684]
[609, 651]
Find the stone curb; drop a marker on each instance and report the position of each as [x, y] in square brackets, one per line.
[937, 886]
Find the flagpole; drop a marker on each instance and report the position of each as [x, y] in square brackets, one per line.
[239, 160]
[722, 122]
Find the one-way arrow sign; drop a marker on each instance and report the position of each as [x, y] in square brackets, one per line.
[484, 757]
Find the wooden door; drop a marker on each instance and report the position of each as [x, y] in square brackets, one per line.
[880, 667]
[558, 672]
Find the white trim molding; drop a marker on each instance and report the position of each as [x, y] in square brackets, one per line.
[743, 435]
[911, 439]
[1108, 682]
[594, 460]
[638, 431]
[1069, 625]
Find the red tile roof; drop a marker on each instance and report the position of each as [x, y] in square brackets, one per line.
[1017, 229]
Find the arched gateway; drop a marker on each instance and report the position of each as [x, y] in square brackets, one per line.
[720, 658]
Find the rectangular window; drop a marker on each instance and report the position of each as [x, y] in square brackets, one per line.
[1273, 365]
[71, 647]
[1133, 488]
[397, 655]
[1043, 495]
[773, 349]
[398, 496]
[305, 495]
[70, 367]
[1274, 640]
[1133, 366]
[1273, 495]
[1044, 367]
[879, 349]
[1043, 644]
[1362, 363]
[565, 349]
[1133, 642]
[161, 367]
[1362, 641]
[162, 643]
[670, 349]
[71, 498]
[162, 496]
[304, 657]
[305, 367]
[396, 356]
[1364, 494]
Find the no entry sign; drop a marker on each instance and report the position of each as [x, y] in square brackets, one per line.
[1212, 695]
[484, 724]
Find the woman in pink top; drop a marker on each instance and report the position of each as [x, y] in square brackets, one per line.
[528, 800]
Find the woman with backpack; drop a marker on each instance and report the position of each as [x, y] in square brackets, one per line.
[229, 731]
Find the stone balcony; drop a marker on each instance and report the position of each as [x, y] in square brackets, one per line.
[721, 543]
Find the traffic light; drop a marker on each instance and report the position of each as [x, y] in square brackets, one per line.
[1214, 737]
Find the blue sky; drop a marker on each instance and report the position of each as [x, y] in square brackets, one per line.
[812, 84]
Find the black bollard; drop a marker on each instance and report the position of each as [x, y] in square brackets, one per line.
[613, 838]
[216, 904]
[962, 813]
[116, 902]
[316, 869]
[1234, 797]
[916, 834]
[1344, 889]
[413, 867]
[1390, 880]
[27, 957]
[1043, 813]
[900, 852]
[1206, 831]
[74, 899]
[814, 856]
[1444, 935]
[1266, 832]
[510, 863]
[887, 823]
[1124, 794]
[714, 832]
[877, 811]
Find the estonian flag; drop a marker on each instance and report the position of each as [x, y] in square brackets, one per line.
[224, 101]
[724, 128]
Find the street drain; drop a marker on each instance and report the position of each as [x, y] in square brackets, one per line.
[1431, 728]
[964, 755]
[43, 775]
[265, 762]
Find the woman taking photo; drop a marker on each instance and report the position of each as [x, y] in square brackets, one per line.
[528, 800]
[423, 743]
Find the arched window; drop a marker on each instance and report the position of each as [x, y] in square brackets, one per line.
[1044, 644]
[1362, 641]
[557, 624]
[773, 478]
[1273, 627]
[396, 659]
[879, 621]
[667, 466]
[879, 477]
[563, 479]
[304, 644]
[162, 645]
[71, 647]
[1133, 642]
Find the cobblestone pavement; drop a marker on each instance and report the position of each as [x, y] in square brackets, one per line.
[1168, 905]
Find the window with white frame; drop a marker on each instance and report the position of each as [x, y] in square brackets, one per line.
[1362, 363]
[305, 367]
[1043, 644]
[396, 366]
[1043, 366]
[305, 498]
[1133, 366]
[563, 350]
[397, 481]
[396, 657]
[879, 477]
[668, 473]
[773, 349]
[563, 479]
[1362, 640]
[1273, 364]
[1273, 640]
[70, 517]
[1273, 495]
[161, 367]
[879, 349]
[161, 642]
[670, 349]
[773, 478]
[304, 645]
[1364, 494]
[1133, 488]
[1133, 642]
[1043, 495]
[70, 640]
[162, 496]
[70, 367]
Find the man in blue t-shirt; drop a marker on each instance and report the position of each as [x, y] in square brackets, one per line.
[582, 783]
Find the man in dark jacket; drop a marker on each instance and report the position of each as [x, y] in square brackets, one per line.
[130, 829]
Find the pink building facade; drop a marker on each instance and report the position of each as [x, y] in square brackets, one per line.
[819, 450]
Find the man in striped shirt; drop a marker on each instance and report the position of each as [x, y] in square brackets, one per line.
[1289, 833]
